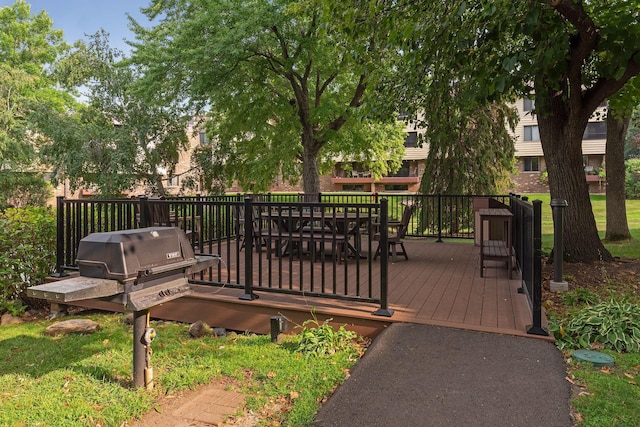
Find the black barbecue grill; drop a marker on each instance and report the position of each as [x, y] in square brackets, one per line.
[138, 268]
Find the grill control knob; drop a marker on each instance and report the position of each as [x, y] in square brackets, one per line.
[149, 336]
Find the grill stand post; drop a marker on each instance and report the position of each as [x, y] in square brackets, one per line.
[139, 346]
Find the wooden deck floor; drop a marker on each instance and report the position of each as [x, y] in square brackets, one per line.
[439, 285]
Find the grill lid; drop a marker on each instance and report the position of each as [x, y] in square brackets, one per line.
[127, 254]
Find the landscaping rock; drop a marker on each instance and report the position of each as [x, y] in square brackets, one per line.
[199, 329]
[220, 332]
[10, 319]
[73, 326]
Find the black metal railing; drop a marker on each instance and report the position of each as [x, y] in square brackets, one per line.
[320, 258]
[527, 243]
[346, 234]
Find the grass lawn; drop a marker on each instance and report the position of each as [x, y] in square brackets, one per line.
[85, 380]
[605, 396]
[628, 249]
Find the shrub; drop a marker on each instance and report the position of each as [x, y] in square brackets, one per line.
[610, 324]
[321, 339]
[27, 252]
[632, 178]
[20, 189]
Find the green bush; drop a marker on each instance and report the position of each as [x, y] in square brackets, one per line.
[27, 252]
[321, 339]
[20, 189]
[610, 324]
[632, 178]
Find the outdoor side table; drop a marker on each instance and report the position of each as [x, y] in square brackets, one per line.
[496, 250]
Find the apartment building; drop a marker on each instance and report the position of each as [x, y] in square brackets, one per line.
[531, 169]
[352, 176]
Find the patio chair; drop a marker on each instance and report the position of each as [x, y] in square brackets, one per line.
[257, 226]
[159, 215]
[397, 231]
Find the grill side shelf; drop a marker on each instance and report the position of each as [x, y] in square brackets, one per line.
[76, 289]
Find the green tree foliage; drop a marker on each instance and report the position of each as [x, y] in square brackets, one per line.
[572, 55]
[470, 151]
[632, 180]
[21, 189]
[283, 85]
[27, 252]
[632, 142]
[122, 137]
[29, 46]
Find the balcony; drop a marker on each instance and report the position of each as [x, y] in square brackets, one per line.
[356, 177]
[353, 177]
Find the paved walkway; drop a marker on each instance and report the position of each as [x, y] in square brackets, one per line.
[419, 375]
[207, 406]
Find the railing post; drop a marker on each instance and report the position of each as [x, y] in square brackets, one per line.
[384, 310]
[248, 251]
[439, 218]
[144, 209]
[558, 284]
[536, 328]
[59, 238]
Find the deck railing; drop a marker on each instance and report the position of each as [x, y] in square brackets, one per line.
[329, 253]
[219, 225]
[527, 243]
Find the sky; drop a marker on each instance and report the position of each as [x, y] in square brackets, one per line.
[79, 17]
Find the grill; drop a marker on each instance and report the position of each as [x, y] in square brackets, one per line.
[138, 268]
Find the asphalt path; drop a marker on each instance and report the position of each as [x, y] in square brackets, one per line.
[420, 375]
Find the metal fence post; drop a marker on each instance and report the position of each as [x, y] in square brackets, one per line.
[536, 328]
[384, 310]
[439, 219]
[248, 251]
[59, 238]
[558, 284]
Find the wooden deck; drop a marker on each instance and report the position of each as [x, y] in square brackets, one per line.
[439, 285]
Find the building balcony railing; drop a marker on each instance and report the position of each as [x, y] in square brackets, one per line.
[366, 177]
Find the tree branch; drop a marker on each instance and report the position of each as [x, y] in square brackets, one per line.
[581, 46]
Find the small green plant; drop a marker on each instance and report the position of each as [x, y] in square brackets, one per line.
[610, 324]
[580, 296]
[322, 339]
[14, 307]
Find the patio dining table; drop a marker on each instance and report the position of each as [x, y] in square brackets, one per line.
[313, 226]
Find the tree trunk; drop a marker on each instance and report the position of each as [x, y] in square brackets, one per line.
[310, 170]
[617, 225]
[561, 137]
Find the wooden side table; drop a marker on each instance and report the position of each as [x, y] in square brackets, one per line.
[496, 250]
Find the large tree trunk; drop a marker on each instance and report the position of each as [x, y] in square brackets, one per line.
[561, 137]
[310, 170]
[617, 225]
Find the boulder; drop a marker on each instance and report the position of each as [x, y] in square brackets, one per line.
[199, 329]
[10, 319]
[72, 326]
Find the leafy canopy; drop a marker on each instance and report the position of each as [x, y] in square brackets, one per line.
[29, 46]
[281, 83]
[122, 137]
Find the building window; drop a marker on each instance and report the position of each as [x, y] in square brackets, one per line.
[529, 104]
[531, 133]
[203, 138]
[396, 187]
[404, 171]
[595, 130]
[352, 187]
[173, 181]
[531, 164]
[411, 139]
